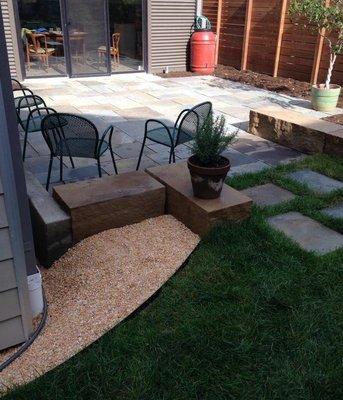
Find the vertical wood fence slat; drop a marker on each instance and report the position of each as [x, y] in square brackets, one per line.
[218, 28]
[280, 34]
[246, 38]
[255, 35]
[318, 53]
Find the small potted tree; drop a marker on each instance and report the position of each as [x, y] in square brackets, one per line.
[325, 18]
[208, 168]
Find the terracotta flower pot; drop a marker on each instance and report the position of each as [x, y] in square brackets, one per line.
[208, 182]
[325, 99]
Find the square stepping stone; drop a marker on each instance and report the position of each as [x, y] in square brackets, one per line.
[307, 233]
[317, 182]
[335, 212]
[268, 194]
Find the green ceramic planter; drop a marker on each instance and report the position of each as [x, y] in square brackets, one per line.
[325, 99]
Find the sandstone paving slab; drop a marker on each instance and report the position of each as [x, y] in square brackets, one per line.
[307, 233]
[251, 168]
[129, 150]
[268, 194]
[315, 181]
[276, 155]
[237, 158]
[335, 212]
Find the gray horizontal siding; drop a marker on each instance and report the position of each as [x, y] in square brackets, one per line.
[10, 306]
[11, 332]
[7, 275]
[170, 24]
[11, 325]
[5, 244]
[7, 16]
[3, 215]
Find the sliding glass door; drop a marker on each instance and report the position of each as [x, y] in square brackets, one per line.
[125, 17]
[81, 37]
[87, 37]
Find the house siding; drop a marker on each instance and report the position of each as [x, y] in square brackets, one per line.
[11, 35]
[169, 29]
[11, 326]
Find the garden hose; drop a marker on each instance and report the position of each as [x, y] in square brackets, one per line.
[32, 338]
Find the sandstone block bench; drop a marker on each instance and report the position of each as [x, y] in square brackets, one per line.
[297, 131]
[110, 202]
[199, 215]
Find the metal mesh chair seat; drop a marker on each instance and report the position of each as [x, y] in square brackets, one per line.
[76, 147]
[160, 135]
[26, 102]
[34, 123]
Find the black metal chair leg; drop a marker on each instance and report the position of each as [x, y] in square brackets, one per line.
[99, 168]
[141, 154]
[113, 160]
[72, 161]
[49, 173]
[61, 168]
[172, 155]
[25, 145]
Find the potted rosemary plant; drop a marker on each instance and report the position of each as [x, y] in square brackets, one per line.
[326, 19]
[208, 168]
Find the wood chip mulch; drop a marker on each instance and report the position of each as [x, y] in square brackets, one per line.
[97, 284]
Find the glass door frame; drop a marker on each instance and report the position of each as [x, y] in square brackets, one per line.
[66, 42]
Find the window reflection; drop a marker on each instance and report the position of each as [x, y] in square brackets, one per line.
[42, 37]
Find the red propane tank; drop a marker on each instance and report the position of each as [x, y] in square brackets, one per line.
[203, 48]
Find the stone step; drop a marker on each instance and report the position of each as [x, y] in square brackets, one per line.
[307, 233]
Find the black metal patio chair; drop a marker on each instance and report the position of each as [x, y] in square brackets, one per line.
[75, 136]
[19, 93]
[16, 84]
[184, 130]
[31, 110]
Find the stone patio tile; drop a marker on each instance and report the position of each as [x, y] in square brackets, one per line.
[30, 151]
[160, 158]
[133, 128]
[140, 113]
[268, 194]
[131, 150]
[237, 158]
[307, 233]
[141, 97]
[129, 164]
[71, 175]
[38, 165]
[123, 102]
[276, 155]
[38, 143]
[239, 112]
[251, 168]
[317, 182]
[335, 212]
[120, 137]
[183, 151]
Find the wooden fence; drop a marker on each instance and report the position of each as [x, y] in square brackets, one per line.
[258, 35]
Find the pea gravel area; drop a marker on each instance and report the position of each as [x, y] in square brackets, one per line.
[97, 284]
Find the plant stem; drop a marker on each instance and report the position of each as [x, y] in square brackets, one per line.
[333, 58]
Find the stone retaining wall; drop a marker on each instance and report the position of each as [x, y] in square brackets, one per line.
[297, 131]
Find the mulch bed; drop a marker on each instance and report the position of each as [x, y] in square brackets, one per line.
[337, 119]
[287, 86]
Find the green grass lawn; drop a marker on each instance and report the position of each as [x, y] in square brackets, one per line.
[251, 316]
